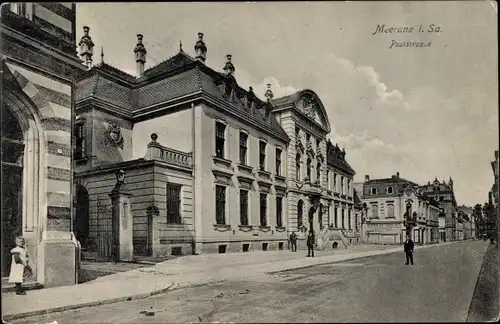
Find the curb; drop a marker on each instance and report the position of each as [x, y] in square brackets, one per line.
[176, 286]
[88, 304]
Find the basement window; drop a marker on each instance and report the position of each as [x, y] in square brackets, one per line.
[222, 248]
[176, 250]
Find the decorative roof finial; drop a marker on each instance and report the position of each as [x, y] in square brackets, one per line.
[200, 49]
[229, 67]
[140, 55]
[269, 93]
[102, 54]
[86, 47]
[180, 46]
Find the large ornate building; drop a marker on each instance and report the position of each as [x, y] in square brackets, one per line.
[396, 207]
[207, 165]
[444, 194]
[37, 69]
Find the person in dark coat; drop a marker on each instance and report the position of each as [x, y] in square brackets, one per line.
[310, 244]
[409, 250]
[293, 241]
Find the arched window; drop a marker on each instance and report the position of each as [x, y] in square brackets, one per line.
[374, 191]
[297, 167]
[309, 169]
[390, 190]
[318, 172]
[300, 209]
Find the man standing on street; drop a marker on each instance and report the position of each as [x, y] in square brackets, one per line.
[310, 244]
[409, 249]
[293, 241]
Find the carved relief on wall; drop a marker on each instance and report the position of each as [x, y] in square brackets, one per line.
[114, 134]
[309, 107]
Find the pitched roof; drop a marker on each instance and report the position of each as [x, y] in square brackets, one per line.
[336, 158]
[178, 60]
[176, 77]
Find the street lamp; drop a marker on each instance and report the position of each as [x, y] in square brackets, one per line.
[120, 176]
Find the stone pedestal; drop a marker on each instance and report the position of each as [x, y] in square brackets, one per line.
[57, 263]
[122, 223]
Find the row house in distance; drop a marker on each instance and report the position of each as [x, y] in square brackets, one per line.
[444, 194]
[204, 160]
[320, 192]
[396, 207]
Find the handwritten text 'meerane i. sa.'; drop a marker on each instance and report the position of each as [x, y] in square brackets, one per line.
[383, 29]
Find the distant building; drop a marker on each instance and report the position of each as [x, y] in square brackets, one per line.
[395, 207]
[467, 215]
[37, 74]
[444, 194]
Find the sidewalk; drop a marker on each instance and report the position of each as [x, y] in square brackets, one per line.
[183, 272]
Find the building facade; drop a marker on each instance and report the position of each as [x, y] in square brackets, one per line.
[444, 194]
[467, 215]
[320, 192]
[38, 65]
[205, 161]
[396, 207]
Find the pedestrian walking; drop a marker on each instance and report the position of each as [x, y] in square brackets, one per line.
[19, 268]
[310, 244]
[293, 241]
[408, 246]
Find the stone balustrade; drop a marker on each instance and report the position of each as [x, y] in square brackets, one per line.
[159, 152]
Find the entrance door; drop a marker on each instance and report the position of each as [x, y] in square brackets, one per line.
[11, 184]
[81, 224]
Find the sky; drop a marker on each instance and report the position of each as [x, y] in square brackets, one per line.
[424, 112]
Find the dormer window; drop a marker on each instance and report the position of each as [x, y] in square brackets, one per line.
[390, 190]
[374, 191]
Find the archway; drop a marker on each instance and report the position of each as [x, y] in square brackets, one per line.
[11, 183]
[320, 216]
[300, 210]
[81, 224]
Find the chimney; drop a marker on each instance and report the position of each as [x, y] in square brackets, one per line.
[86, 47]
[397, 175]
[200, 49]
[140, 55]
[229, 67]
[269, 93]
[367, 177]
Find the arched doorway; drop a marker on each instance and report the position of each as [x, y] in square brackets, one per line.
[300, 211]
[81, 224]
[320, 216]
[11, 183]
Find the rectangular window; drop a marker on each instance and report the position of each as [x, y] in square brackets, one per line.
[173, 203]
[279, 211]
[390, 210]
[343, 218]
[328, 186]
[349, 187]
[220, 205]
[246, 247]
[243, 148]
[262, 155]
[220, 139]
[278, 161]
[335, 182]
[263, 209]
[243, 207]
[79, 140]
[375, 211]
[336, 219]
[349, 219]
